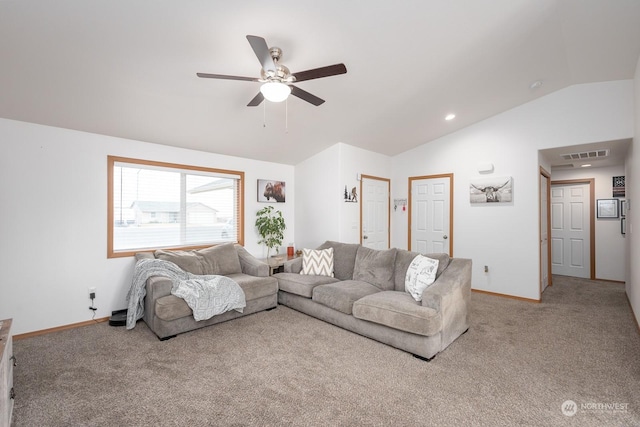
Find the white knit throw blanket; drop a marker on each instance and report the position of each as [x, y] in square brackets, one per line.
[207, 295]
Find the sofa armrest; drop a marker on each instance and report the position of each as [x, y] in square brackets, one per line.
[293, 265]
[450, 296]
[251, 265]
[156, 287]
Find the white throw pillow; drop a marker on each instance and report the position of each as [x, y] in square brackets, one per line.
[420, 275]
[317, 262]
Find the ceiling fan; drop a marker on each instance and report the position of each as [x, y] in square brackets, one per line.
[276, 78]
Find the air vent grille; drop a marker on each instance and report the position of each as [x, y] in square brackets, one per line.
[586, 155]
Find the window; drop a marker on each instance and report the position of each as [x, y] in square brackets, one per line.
[153, 205]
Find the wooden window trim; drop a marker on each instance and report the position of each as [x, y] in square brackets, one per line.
[111, 160]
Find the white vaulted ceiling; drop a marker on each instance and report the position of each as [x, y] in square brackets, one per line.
[127, 68]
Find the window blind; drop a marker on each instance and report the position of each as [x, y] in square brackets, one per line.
[160, 205]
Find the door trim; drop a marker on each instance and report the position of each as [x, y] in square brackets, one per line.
[388, 181]
[592, 223]
[418, 178]
[547, 175]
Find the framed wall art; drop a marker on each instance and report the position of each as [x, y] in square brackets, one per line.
[491, 190]
[607, 208]
[271, 191]
[618, 186]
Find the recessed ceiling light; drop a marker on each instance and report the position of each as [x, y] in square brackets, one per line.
[585, 165]
[450, 117]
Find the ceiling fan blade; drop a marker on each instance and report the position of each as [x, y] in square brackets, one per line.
[316, 73]
[257, 100]
[224, 76]
[304, 95]
[259, 46]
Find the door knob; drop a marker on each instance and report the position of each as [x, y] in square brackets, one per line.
[365, 237]
[445, 237]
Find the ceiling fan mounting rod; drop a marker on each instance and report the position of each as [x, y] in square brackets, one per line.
[276, 53]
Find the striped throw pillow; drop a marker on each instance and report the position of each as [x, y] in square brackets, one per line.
[317, 262]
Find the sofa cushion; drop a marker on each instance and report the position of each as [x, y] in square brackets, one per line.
[420, 275]
[144, 255]
[344, 258]
[404, 258]
[317, 262]
[375, 267]
[300, 284]
[255, 287]
[171, 307]
[186, 260]
[220, 259]
[341, 295]
[398, 310]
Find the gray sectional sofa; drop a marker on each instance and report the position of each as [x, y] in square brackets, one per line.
[367, 296]
[168, 315]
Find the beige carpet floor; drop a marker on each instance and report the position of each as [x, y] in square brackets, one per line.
[516, 366]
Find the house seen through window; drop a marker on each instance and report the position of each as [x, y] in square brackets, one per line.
[155, 205]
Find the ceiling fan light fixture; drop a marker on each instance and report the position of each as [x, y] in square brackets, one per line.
[275, 91]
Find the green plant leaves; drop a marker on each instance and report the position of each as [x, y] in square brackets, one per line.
[271, 226]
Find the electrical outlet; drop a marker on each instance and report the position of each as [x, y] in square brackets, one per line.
[92, 293]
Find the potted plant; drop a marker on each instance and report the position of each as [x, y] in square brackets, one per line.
[271, 227]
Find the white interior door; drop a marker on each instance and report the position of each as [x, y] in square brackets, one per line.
[544, 232]
[375, 212]
[570, 230]
[430, 215]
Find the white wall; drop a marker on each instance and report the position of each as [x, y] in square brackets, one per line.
[53, 225]
[506, 237]
[53, 193]
[632, 192]
[355, 161]
[610, 243]
[317, 198]
[321, 213]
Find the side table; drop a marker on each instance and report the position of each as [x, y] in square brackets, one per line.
[276, 263]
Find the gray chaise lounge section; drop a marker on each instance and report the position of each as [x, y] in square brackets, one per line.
[168, 315]
[367, 296]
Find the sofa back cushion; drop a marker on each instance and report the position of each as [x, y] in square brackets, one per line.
[403, 260]
[187, 260]
[221, 259]
[144, 255]
[344, 258]
[376, 267]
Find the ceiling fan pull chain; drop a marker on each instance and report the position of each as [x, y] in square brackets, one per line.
[264, 115]
[286, 115]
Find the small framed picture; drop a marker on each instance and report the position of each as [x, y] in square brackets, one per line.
[607, 208]
[271, 191]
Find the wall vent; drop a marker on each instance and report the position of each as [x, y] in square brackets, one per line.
[586, 155]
